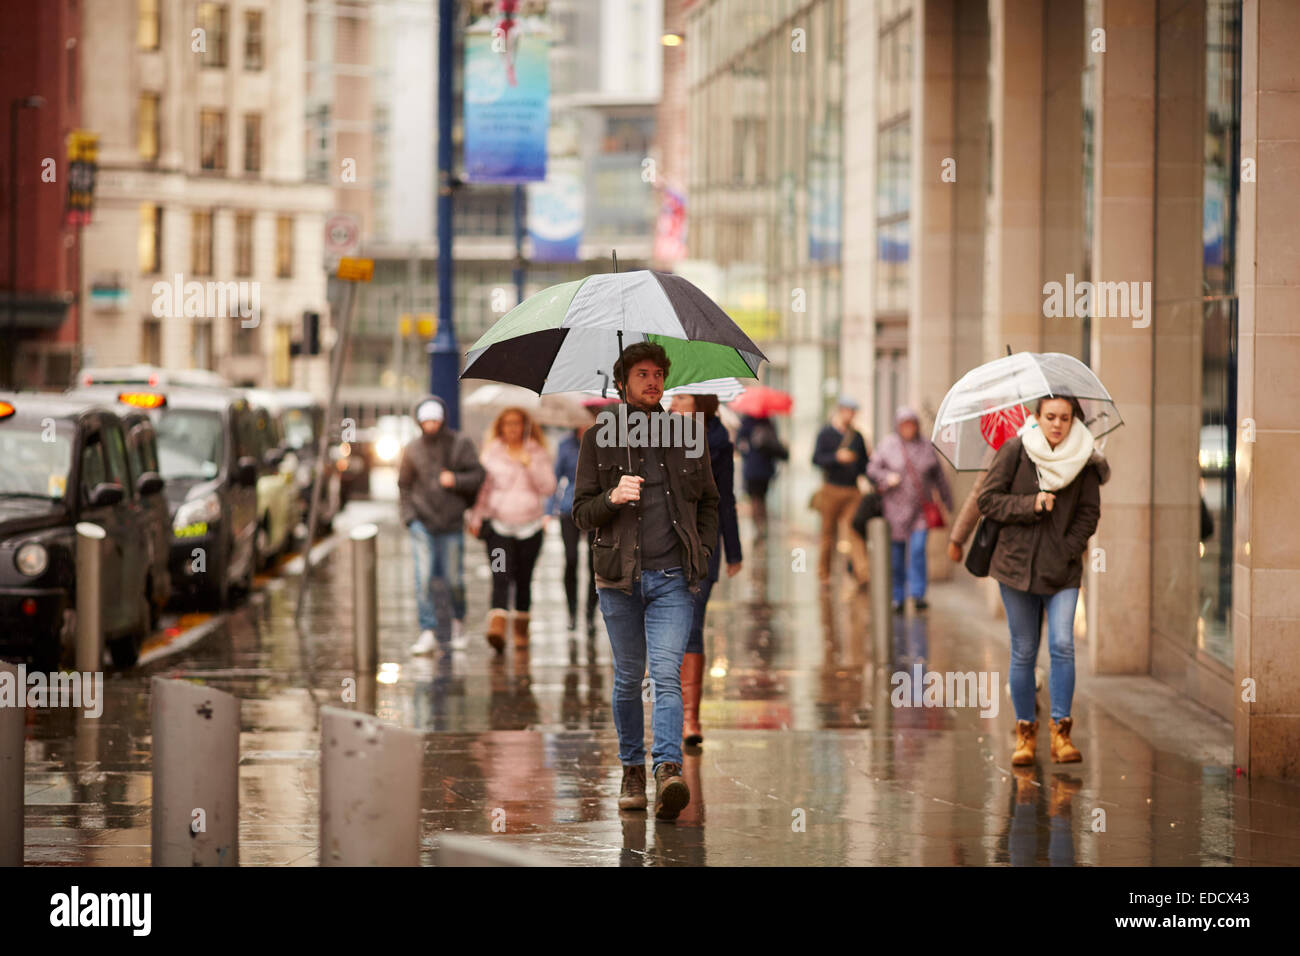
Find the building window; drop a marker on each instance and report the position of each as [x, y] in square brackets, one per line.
[151, 342]
[243, 244]
[150, 239]
[147, 126]
[212, 139]
[252, 142]
[201, 345]
[252, 39]
[214, 21]
[284, 247]
[201, 243]
[148, 27]
[246, 340]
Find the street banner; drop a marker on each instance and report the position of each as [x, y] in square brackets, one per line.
[507, 100]
[83, 161]
[555, 212]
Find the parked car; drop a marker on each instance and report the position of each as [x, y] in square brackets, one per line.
[151, 376]
[208, 454]
[65, 461]
[278, 502]
[142, 462]
[302, 419]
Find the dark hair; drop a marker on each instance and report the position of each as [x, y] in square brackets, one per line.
[636, 353]
[1074, 405]
[707, 405]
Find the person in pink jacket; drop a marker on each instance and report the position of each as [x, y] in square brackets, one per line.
[509, 516]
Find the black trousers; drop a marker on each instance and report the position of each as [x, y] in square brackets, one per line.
[512, 561]
[570, 533]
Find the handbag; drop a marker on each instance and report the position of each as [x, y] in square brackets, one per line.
[982, 546]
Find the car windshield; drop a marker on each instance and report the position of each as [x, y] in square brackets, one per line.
[299, 430]
[36, 460]
[190, 443]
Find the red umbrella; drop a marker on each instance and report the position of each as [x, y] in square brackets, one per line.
[760, 401]
[997, 427]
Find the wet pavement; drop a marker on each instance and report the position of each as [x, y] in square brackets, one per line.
[806, 760]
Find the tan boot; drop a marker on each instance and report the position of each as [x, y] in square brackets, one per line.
[1063, 788]
[521, 631]
[1063, 751]
[1026, 743]
[692, 675]
[496, 629]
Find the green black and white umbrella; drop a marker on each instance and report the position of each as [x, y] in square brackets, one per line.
[568, 337]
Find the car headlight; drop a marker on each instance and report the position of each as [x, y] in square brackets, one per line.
[387, 449]
[306, 474]
[32, 559]
[202, 510]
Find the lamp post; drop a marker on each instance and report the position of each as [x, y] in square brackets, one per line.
[11, 346]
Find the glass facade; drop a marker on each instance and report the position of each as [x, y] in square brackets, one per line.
[1219, 330]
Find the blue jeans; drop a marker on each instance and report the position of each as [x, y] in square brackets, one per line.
[654, 618]
[1025, 619]
[438, 554]
[695, 643]
[909, 572]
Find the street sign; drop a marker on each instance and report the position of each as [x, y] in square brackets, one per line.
[342, 234]
[83, 160]
[356, 270]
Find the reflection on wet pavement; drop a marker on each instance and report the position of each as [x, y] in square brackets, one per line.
[805, 759]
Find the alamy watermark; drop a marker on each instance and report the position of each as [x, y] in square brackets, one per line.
[638, 429]
[208, 300]
[1101, 300]
[946, 689]
[58, 689]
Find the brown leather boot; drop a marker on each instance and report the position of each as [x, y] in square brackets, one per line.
[671, 792]
[692, 677]
[496, 629]
[1063, 751]
[1026, 743]
[1063, 788]
[631, 796]
[521, 630]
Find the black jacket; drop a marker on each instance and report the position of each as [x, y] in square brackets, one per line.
[420, 495]
[838, 473]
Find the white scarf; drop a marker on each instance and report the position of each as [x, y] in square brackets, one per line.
[1058, 466]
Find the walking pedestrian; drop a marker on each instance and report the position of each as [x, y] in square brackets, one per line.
[438, 477]
[561, 504]
[760, 449]
[509, 515]
[841, 454]
[655, 514]
[907, 473]
[1044, 488]
[722, 462]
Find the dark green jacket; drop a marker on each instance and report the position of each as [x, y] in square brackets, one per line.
[615, 548]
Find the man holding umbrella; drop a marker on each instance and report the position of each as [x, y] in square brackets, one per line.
[654, 512]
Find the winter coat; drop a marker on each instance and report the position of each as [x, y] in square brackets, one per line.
[829, 440]
[760, 448]
[903, 503]
[511, 493]
[723, 461]
[1041, 553]
[566, 469]
[420, 495]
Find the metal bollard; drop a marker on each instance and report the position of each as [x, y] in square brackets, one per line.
[11, 772]
[881, 617]
[365, 605]
[90, 581]
[369, 791]
[195, 775]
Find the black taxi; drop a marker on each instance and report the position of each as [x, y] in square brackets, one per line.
[208, 455]
[64, 461]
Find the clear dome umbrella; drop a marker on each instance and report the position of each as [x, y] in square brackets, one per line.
[989, 404]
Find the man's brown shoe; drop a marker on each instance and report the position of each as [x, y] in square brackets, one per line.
[631, 796]
[1026, 743]
[671, 792]
[1063, 751]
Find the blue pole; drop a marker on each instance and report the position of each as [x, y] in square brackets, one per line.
[444, 354]
[519, 244]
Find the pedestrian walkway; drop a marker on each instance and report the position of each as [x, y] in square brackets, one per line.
[806, 760]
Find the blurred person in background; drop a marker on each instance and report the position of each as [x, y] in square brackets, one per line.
[438, 476]
[841, 454]
[906, 471]
[509, 516]
[722, 460]
[566, 470]
[760, 450]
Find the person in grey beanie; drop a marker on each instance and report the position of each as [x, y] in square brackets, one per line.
[438, 479]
